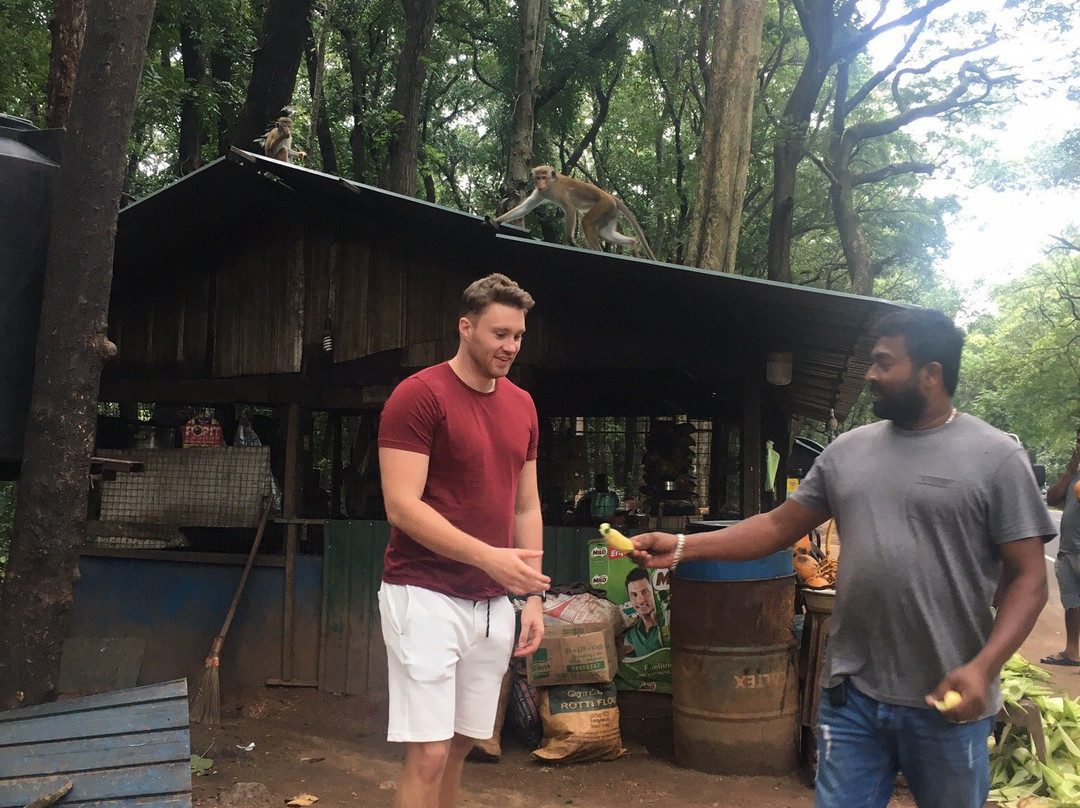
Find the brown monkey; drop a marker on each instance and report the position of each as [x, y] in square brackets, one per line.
[601, 210]
[278, 143]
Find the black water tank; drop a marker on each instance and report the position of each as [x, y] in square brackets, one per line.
[29, 163]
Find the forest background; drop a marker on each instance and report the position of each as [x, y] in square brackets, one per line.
[850, 109]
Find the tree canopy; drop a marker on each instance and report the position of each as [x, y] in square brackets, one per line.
[855, 107]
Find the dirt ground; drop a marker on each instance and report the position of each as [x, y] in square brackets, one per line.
[309, 742]
[330, 746]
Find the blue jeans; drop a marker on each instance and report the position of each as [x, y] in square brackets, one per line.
[864, 743]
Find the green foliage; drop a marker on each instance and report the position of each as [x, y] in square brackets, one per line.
[25, 43]
[1059, 163]
[1022, 364]
[621, 95]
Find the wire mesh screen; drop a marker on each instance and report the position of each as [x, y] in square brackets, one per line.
[199, 488]
[647, 461]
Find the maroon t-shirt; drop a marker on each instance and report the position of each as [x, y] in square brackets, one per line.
[476, 445]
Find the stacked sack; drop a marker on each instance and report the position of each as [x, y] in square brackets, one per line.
[565, 723]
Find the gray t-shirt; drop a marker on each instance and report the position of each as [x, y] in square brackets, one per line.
[920, 515]
[1070, 520]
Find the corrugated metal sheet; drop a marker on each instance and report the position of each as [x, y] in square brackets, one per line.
[390, 268]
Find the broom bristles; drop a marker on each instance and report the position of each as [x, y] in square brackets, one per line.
[204, 706]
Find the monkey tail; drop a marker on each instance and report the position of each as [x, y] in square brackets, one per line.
[625, 211]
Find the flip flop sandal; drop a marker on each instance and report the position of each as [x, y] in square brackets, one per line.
[1059, 659]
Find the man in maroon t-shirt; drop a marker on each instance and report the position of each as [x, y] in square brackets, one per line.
[457, 455]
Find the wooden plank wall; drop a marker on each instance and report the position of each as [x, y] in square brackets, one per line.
[123, 749]
[383, 294]
[161, 321]
[249, 307]
[259, 305]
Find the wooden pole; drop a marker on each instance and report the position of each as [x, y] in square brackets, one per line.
[291, 510]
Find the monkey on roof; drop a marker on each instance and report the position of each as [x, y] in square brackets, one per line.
[601, 210]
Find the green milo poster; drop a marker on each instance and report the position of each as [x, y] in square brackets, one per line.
[645, 597]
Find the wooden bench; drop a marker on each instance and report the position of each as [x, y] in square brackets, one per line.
[125, 749]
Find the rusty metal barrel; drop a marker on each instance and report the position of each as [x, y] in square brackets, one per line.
[735, 694]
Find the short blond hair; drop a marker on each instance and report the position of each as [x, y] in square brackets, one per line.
[495, 288]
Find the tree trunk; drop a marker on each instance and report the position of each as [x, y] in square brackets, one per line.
[831, 35]
[818, 24]
[68, 27]
[725, 142]
[852, 236]
[400, 173]
[50, 517]
[358, 141]
[532, 22]
[273, 68]
[191, 121]
[221, 69]
[315, 60]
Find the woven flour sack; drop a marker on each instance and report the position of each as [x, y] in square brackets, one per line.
[581, 722]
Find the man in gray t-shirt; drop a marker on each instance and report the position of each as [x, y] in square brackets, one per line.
[935, 509]
[922, 515]
[1067, 564]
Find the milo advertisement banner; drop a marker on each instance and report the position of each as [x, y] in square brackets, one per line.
[646, 596]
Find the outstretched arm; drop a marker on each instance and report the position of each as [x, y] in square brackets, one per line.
[533, 200]
[751, 538]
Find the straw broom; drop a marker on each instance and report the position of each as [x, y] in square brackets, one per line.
[204, 705]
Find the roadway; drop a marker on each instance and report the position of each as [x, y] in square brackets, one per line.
[1048, 636]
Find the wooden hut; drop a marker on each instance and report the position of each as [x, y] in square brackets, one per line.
[253, 289]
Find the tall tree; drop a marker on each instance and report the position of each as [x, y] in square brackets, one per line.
[365, 33]
[973, 86]
[532, 25]
[192, 133]
[725, 142]
[400, 172]
[68, 27]
[282, 39]
[315, 59]
[72, 346]
[832, 33]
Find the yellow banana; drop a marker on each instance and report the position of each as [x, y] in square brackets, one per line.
[615, 540]
[950, 700]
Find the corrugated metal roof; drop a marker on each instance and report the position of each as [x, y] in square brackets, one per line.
[700, 312]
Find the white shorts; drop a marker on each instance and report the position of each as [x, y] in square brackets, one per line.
[446, 659]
